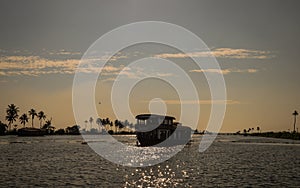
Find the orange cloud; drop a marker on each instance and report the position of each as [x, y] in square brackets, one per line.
[221, 53]
[35, 65]
[225, 71]
[209, 102]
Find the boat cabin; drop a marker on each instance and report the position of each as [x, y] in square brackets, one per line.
[152, 129]
[150, 119]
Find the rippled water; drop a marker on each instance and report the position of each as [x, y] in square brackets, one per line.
[232, 161]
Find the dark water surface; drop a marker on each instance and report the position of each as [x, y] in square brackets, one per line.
[232, 161]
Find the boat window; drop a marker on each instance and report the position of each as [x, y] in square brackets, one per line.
[141, 122]
[168, 122]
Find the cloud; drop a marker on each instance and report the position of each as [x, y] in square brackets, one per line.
[135, 73]
[64, 52]
[207, 102]
[35, 65]
[222, 53]
[225, 71]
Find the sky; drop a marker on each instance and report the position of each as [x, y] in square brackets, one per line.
[255, 42]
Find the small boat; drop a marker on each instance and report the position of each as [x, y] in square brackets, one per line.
[28, 131]
[153, 129]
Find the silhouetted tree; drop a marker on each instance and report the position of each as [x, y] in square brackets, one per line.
[74, 130]
[99, 123]
[295, 114]
[11, 114]
[48, 123]
[48, 126]
[41, 115]
[121, 126]
[23, 119]
[32, 113]
[91, 122]
[131, 126]
[107, 122]
[111, 125]
[126, 124]
[258, 129]
[85, 123]
[60, 131]
[3, 128]
[116, 125]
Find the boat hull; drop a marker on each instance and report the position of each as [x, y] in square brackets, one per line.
[151, 138]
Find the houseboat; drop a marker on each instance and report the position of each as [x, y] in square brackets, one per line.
[153, 129]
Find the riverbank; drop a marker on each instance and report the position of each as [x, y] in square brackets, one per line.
[284, 135]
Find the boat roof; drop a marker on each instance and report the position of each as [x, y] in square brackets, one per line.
[147, 116]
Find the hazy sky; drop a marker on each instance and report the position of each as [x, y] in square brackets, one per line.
[256, 43]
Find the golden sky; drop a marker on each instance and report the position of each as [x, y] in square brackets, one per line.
[256, 44]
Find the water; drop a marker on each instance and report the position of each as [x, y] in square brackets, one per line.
[232, 161]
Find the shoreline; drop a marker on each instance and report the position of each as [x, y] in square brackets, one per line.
[280, 135]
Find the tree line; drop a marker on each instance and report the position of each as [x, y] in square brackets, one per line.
[295, 135]
[12, 116]
[105, 124]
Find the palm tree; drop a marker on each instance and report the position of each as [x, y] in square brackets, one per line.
[3, 128]
[116, 125]
[47, 123]
[85, 123]
[74, 130]
[23, 119]
[41, 115]
[126, 124]
[12, 114]
[99, 123]
[111, 125]
[131, 126]
[295, 114]
[32, 113]
[107, 122]
[91, 122]
[48, 126]
[16, 126]
[119, 124]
